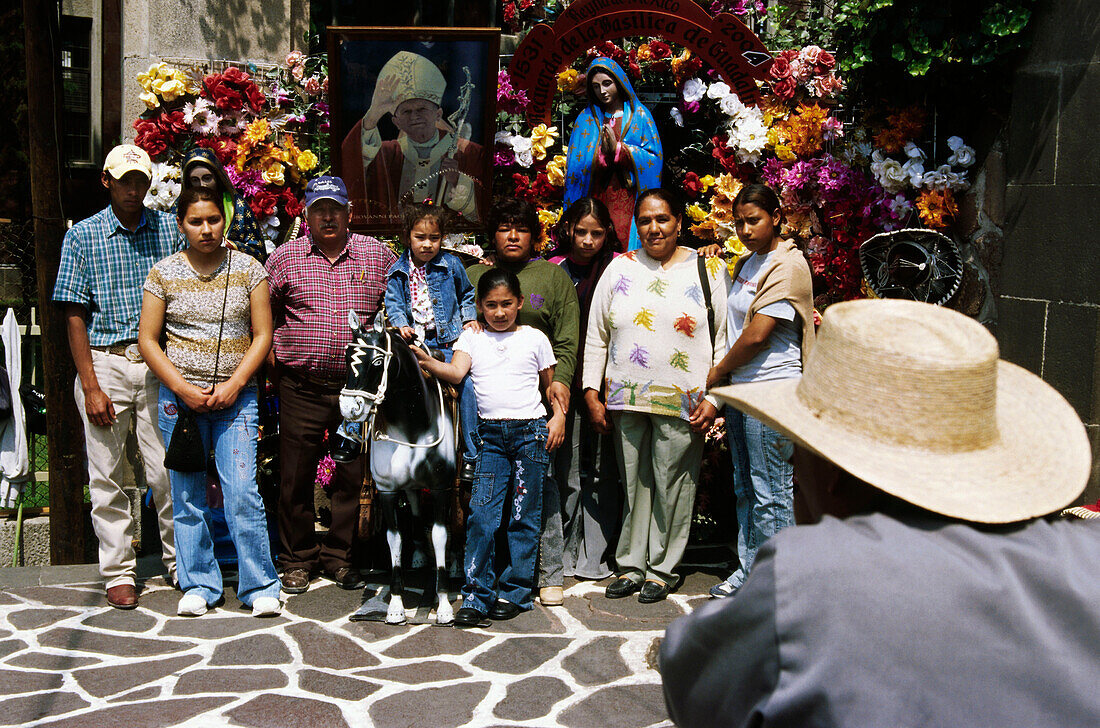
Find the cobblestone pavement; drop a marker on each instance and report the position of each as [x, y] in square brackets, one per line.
[68, 659]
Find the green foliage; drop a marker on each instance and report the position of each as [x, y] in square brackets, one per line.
[879, 42]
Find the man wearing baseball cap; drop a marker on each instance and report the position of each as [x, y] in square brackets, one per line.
[929, 590]
[315, 280]
[104, 262]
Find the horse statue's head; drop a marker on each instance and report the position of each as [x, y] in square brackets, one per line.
[368, 359]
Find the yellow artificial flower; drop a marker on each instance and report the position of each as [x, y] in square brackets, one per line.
[555, 170]
[256, 131]
[547, 219]
[784, 153]
[150, 99]
[728, 186]
[170, 90]
[696, 213]
[542, 136]
[707, 182]
[569, 80]
[307, 160]
[273, 175]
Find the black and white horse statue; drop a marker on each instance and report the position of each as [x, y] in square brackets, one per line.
[412, 444]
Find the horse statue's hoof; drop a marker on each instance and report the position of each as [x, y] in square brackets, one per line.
[444, 613]
[396, 613]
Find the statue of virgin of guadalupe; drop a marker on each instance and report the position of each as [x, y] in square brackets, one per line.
[614, 149]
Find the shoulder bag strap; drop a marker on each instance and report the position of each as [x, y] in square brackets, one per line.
[221, 324]
[704, 281]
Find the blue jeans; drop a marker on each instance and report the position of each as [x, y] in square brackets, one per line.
[507, 495]
[763, 483]
[233, 432]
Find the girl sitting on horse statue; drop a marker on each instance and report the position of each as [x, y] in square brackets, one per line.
[428, 298]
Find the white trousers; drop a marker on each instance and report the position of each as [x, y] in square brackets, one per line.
[134, 391]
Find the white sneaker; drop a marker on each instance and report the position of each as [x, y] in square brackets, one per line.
[191, 605]
[266, 607]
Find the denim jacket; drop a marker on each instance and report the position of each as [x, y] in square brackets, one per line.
[450, 289]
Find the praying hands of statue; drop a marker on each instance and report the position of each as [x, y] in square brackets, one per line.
[608, 142]
[382, 102]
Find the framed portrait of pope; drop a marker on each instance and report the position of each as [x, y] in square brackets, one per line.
[412, 119]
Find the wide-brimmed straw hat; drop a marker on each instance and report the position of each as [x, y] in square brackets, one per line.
[912, 399]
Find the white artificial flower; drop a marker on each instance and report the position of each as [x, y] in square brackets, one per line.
[503, 137]
[718, 90]
[676, 116]
[270, 227]
[731, 105]
[954, 142]
[748, 137]
[888, 172]
[208, 126]
[900, 206]
[961, 155]
[522, 145]
[935, 179]
[163, 187]
[525, 159]
[956, 181]
[694, 90]
[914, 152]
[914, 170]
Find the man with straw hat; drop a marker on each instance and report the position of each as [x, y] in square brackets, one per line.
[928, 591]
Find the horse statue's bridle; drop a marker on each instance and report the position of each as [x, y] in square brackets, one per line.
[377, 397]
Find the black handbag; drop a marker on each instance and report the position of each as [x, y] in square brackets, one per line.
[186, 452]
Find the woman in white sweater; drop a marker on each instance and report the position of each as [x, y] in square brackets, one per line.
[651, 340]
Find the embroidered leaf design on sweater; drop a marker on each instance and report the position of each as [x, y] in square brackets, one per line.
[685, 325]
[658, 286]
[611, 320]
[679, 360]
[622, 286]
[640, 356]
[644, 318]
[695, 293]
[630, 255]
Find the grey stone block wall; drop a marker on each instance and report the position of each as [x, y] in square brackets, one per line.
[1049, 282]
[263, 31]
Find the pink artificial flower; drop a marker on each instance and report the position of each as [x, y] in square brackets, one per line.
[313, 86]
[827, 86]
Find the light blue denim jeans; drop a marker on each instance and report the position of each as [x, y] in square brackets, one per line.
[507, 496]
[234, 433]
[763, 483]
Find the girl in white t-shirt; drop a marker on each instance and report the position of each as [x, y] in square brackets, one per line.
[510, 368]
[769, 320]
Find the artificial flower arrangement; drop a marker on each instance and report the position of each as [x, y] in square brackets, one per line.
[839, 183]
[255, 122]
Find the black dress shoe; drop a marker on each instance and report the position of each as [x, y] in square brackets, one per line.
[348, 578]
[469, 617]
[503, 610]
[621, 587]
[652, 591]
[467, 471]
[345, 450]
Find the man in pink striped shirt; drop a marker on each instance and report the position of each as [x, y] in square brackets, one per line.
[315, 280]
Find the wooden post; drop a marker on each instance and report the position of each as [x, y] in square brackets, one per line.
[64, 430]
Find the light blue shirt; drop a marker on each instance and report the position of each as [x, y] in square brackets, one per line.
[782, 357]
[104, 265]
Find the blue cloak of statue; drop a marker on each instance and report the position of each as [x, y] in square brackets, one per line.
[638, 169]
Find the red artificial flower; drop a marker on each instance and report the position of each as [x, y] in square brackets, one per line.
[224, 147]
[526, 4]
[826, 59]
[634, 70]
[510, 15]
[264, 204]
[659, 67]
[692, 186]
[151, 138]
[291, 204]
[785, 88]
[781, 68]
[660, 50]
[172, 123]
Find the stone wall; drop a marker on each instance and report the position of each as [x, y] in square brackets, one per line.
[1048, 292]
[234, 30]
